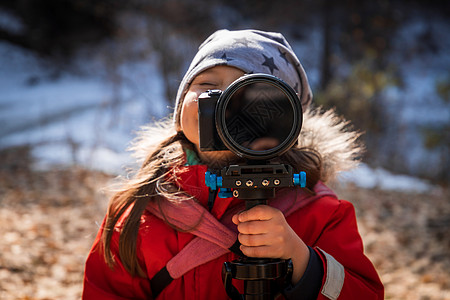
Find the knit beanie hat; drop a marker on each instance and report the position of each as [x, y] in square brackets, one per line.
[252, 51]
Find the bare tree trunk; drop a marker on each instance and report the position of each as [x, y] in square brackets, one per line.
[326, 31]
[170, 59]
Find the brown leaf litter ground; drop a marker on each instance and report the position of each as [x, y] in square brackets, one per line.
[49, 219]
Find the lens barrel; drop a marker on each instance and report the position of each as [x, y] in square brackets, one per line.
[258, 117]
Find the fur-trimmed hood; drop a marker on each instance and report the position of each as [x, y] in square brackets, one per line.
[332, 137]
[322, 131]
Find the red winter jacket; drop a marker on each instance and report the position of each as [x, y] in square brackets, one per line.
[328, 225]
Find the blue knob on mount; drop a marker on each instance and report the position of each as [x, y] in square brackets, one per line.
[300, 179]
[207, 178]
[212, 181]
[225, 193]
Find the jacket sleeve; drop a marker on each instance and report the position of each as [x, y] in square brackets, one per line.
[101, 282]
[309, 285]
[348, 273]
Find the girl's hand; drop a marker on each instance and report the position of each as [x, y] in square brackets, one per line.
[264, 232]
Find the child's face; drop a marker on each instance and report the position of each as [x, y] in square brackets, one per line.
[220, 78]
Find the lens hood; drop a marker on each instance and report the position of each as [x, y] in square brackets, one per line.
[258, 117]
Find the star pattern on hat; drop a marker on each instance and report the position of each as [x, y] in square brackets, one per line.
[268, 62]
[283, 56]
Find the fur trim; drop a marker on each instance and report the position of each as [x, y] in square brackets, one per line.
[332, 137]
[323, 132]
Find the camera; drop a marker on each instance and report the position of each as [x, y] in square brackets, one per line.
[257, 117]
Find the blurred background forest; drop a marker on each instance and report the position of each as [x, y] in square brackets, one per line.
[79, 77]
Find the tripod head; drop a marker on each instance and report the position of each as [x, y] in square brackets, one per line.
[254, 182]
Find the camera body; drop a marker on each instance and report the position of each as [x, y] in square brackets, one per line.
[209, 138]
[257, 117]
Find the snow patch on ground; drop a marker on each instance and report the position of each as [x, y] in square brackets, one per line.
[369, 178]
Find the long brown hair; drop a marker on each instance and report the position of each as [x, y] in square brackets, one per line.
[147, 185]
[151, 182]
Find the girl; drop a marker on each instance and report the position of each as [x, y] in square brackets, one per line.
[166, 235]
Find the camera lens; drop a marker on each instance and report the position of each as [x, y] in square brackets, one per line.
[258, 117]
